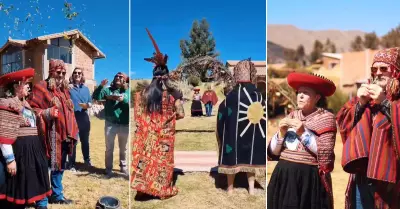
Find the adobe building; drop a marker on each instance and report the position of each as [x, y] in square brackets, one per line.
[75, 49]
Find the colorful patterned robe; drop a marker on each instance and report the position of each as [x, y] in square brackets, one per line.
[54, 131]
[241, 128]
[371, 143]
[153, 149]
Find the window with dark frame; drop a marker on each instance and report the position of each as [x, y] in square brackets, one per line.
[11, 61]
[60, 48]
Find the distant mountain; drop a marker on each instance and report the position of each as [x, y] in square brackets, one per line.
[289, 36]
[275, 53]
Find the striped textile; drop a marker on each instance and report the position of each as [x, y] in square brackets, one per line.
[323, 124]
[54, 132]
[370, 146]
[11, 120]
[9, 126]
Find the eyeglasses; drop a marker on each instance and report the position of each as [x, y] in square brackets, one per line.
[79, 73]
[60, 72]
[382, 69]
[119, 76]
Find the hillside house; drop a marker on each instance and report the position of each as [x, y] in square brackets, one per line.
[261, 67]
[72, 47]
[330, 60]
[348, 70]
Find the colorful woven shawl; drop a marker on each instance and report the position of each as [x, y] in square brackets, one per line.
[371, 147]
[323, 124]
[54, 132]
[11, 119]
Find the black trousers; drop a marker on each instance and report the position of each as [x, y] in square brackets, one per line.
[83, 121]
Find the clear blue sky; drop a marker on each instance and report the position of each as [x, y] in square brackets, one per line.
[366, 15]
[239, 29]
[106, 24]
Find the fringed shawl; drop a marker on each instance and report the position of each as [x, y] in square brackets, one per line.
[56, 131]
[371, 148]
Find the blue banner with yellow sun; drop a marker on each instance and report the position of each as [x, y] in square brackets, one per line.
[241, 131]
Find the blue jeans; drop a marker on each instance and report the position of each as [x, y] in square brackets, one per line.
[364, 193]
[209, 107]
[56, 186]
[56, 178]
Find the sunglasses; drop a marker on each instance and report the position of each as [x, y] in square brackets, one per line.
[60, 72]
[119, 76]
[382, 69]
[79, 73]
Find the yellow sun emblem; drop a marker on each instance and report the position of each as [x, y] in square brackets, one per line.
[254, 114]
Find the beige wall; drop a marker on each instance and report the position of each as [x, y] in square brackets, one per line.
[356, 66]
[83, 58]
[327, 62]
[35, 56]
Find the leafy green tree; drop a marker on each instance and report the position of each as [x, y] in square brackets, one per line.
[201, 43]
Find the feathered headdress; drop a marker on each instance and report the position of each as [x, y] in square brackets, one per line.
[158, 58]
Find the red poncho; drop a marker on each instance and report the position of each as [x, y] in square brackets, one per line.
[371, 147]
[54, 131]
[209, 96]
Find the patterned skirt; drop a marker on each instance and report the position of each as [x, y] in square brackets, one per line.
[196, 109]
[31, 183]
[153, 167]
[296, 185]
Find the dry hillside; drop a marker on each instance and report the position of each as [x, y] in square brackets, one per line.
[275, 52]
[290, 36]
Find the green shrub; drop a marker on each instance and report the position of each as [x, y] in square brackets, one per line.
[337, 100]
[293, 65]
[194, 81]
[139, 87]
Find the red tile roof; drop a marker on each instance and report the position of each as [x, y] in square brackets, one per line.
[52, 36]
